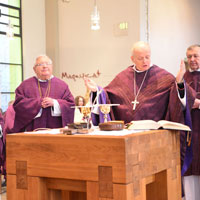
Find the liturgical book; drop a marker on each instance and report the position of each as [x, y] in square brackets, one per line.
[162, 124]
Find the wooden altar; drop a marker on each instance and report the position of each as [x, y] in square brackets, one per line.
[139, 166]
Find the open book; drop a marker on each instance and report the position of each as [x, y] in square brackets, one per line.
[162, 124]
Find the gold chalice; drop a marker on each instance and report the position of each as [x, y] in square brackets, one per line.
[105, 109]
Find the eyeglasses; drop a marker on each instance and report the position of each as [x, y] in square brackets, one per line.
[44, 64]
[193, 55]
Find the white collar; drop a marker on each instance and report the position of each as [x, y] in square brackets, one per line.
[45, 80]
[134, 67]
[191, 70]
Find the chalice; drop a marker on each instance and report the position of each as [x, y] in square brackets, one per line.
[105, 109]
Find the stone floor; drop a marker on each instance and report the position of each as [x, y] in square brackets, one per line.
[3, 189]
[3, 194]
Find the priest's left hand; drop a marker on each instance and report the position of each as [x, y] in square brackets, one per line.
[47, 102]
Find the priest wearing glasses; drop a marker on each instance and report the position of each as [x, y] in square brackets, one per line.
[42, 101]
[192, 77]
[144, 91]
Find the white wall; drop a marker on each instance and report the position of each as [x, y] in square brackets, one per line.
[85, 51]
[33, 33]
[174, 25]
[52, 33]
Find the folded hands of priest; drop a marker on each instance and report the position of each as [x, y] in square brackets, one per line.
[47, 102]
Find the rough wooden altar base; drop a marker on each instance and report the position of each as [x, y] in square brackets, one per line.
[140, 166]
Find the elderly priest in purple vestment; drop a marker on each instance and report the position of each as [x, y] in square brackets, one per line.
[42, 101]
[192, 77]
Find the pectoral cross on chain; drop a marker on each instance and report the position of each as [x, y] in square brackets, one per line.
[134, 103]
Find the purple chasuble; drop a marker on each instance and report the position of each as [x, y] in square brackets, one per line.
[193, 80]
[2, 147]
[153, 98]
[9, 118]
[28, 104]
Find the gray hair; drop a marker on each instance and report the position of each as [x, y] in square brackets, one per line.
[43, 55]
[193, 46]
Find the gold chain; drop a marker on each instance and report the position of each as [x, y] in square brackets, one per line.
[47, 90]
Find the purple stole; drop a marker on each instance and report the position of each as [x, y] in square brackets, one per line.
[101, 100]
[188, 153]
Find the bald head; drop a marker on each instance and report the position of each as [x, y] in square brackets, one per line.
[141, 55]
[140, 46]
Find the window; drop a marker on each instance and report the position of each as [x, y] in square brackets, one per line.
[11, 62]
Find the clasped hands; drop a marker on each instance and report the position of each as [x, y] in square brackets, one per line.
[47, 102]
